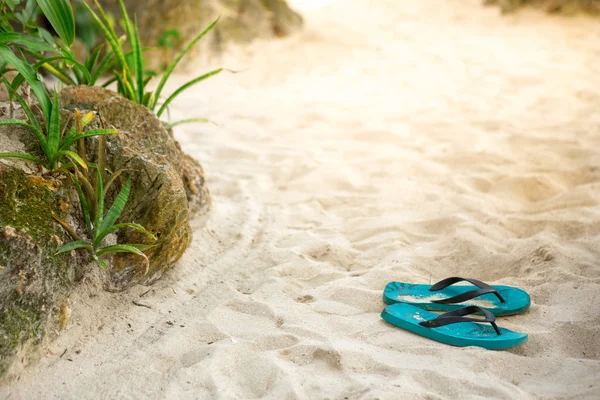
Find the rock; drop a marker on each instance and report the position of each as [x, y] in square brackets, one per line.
[241, 21]
[164, 182]
[32, 280]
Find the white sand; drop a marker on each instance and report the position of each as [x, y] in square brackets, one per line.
[406, 140]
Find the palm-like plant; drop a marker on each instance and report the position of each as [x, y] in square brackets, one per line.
[99, 224]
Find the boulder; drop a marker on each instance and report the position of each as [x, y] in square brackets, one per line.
[164, 182]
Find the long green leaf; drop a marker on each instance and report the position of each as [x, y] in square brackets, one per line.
[80, 244]
[60, 15]
[71, 155]
[26, 41]
[184, 87]
[59, 73]
[186, 121]
[30, 76]
[54, 127]
[12, 121]
[116, 209]
[116, 227]
[100, 200]
[108, 31]
[120, 248]
[169, 70]
[21, 156]
[70, 140]
[136, 49]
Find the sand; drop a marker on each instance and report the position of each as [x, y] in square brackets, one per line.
[391, 140]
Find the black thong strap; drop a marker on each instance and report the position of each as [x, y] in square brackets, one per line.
[452, 317]
[484, 288]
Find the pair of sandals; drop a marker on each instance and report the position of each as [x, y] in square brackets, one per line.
[410, 307]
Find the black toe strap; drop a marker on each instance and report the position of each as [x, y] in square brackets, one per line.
[484, 288]
[455, 316]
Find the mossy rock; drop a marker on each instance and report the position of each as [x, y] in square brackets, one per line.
[33, 281]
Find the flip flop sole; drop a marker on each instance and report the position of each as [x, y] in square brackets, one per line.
[517, 300]
[461, 334]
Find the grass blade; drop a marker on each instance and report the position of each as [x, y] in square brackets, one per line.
[171, 67]
[74, 246]
[184, 87]
[60, 15]
[116, 209]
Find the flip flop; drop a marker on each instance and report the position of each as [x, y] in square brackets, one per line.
[442, 296]
[453, 327]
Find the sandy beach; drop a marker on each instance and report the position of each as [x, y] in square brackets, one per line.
[390, 140]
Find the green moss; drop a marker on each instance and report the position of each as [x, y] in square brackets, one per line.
[20, 321]
[26, 206]
[32, 279]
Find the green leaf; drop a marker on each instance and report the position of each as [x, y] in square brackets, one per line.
[120, 248]
[30, 76]
[70, 139]
[80, 244]
[116, 209]
[186, 121]
[60, 15]
[184, 87]
[21, 156]
[116, 227]
[71, 155]
[101, 263]
[171, 67]
[59, 73]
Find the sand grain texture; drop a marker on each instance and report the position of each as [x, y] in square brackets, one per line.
[399, 141]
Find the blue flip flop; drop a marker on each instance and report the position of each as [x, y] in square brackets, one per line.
[442, 296]
[454, 327]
